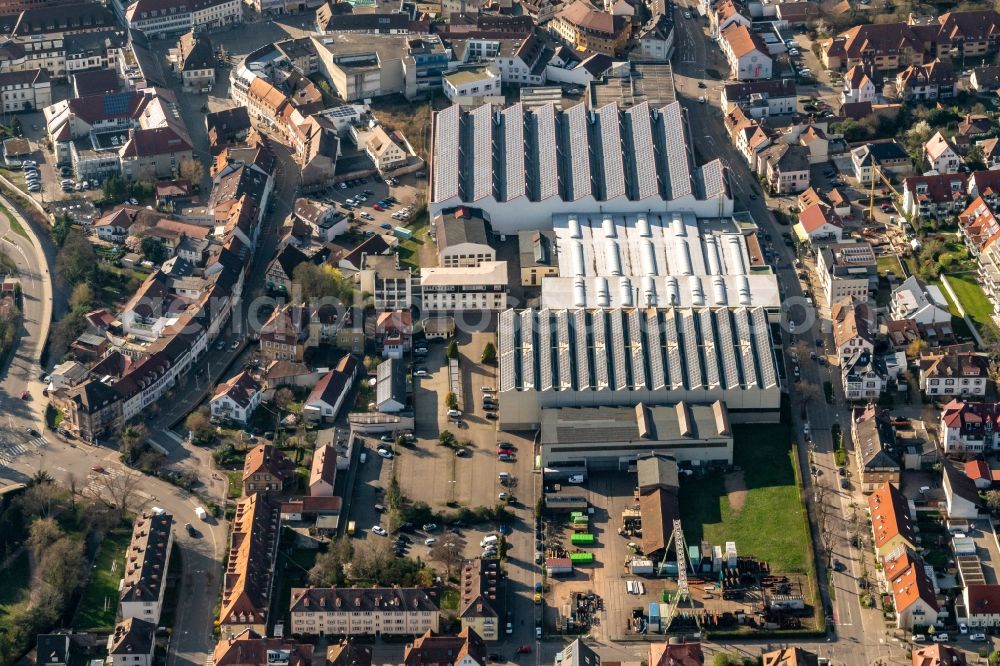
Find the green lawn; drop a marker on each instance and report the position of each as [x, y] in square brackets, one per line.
[887, 264]
[15, 224]
[99, 602]
[235, 484]
[408, 250]
[771, 524]
[972, 298]
[14, 593]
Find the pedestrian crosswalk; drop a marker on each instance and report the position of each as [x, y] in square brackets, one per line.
[9, 452]
[98, 482]
[39, 442]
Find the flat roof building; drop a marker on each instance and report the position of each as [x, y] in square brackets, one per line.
[522, 166]
[657, 260]
[613, 437]
[626, 356]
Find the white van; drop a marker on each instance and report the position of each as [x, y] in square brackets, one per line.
[489, 540]
[201, 513]
[454, 414]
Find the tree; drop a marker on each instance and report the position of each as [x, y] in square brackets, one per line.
[448, 551]
[324, 281]
[199, 424]
[192, 170]
[994, 659]
[974, 159]
[117, 492]
[993, 500]
[283, 397]
[808, 391]
[132, 438]
[43, 533]
[329, 567]
[489, 353]
[76, 261]
[61, 564]
[451, 400]
[82, 297]
[153, 249]
[61, 228]
[41, 499]
[452, 351]
[447, 438]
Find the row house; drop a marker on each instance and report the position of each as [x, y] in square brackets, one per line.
[891, 519]
[146, 562]
[875, 449]
[927, 83]
[132, 643]
[761, 99]
[392, 611]
[725, 14]
[955, 373]
[249, 648]
[910, 581]
[853, 327]
[979, 225]
[157, 19]
[584, 28]
[466, 649]
[266, 470]
[785, 168]
[479, 607]
[746, 52]
[249, 566]
[894, 46]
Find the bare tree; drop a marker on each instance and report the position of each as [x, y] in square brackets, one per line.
[42, 499]
[808, 391]
[72, 483]
[43, 533]
[283, 397]
[448, 551]
[117, 492]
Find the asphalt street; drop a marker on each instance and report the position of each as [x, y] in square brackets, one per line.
[859, 636]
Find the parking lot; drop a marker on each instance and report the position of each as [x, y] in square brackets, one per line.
[366, 217]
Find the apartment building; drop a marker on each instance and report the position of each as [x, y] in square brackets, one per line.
[892, 525]
[875, 448]
[479, 605]
[846, 270]
[887, 156]
[195, 61]
[246, 593]
[248, 648]
[389, 285]
[460, 288]
[236, 399]
[785, 168]
[969, 427]
[853, 328]
[941, 154]
[927, 83]
[761, 99]
[375, 611]
[132, 643]
[746, 53]
[935, 195]
[28, 90]
[146, 562]
[165, 18]
[582, 27]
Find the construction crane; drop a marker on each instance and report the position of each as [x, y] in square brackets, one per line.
[871, 201]
[683, 592]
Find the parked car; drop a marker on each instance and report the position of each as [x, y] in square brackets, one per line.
[379, 530]
[384, 453]
[430, 527]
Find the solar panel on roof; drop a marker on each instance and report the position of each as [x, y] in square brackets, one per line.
[513, 136]
[709, 350]
[618, 350]
[117, 104]
[636, 349]
[674, 367]
[678, 170]
[562, 336]
[446, 153]
[578, 148]
[643, 154]
[527, 328]
[545, 140]
[654, 350]
[506, 333]
[689, 340]
[713, 176]
[578, 320]
[762, 343]
[745, 345]
[601, 379]
[726, 349]
[611, 152]
[482, 152]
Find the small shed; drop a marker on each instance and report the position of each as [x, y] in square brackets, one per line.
[558, 566]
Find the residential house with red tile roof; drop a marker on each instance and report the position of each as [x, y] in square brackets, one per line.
[927, 82]
[934, 195]
[249, 648]
[979, 473]
[266, 470]
[585, 28]
[789, 656]
[249, 567]
[746, 52]
[969, 427]
[982, 606]
[818, 223]
[941, 154]
[913, 594]
[892, 525]
[327, 397]
[938, 654]
[859, 85]
[675, 651]
[323, 473]
[236, 399]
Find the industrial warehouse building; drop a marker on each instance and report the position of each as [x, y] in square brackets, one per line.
[658, 259]
[603, 438]
[626, 356]
[521, 166]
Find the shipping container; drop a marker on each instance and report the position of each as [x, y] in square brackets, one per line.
[582, 539]
[580, 527]
[577, 520]
[581, 558]
[575, 514]
[400, 232]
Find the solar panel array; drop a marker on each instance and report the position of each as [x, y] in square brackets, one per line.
[513, 152]
[565, 363]
[581, 348]
[745, 345]
[636, 348]
[618, 350]
[600, 350]
[674, 368]
[768, 376]
[482, 154]
[708, 348]
[506, 337]
[117, 104]
[612, 165]
[446, 153]
[643, 152]
[527, 329]
[544, 351]
[689, 338]
[578, 150]
[672, 130]
[547, 158]
[657, 377]
[713, 178]
[728, 349]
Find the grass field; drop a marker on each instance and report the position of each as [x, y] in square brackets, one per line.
[100, 598]
[15, 225]
[408, 250]
[770, 524]
[15, 593]
[889, 263]
[972, 298]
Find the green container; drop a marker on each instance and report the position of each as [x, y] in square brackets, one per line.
[581, 558]
[581, 520]
[582, 539]
[575, 514]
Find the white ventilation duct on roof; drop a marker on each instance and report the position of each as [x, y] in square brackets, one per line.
[578, 260]
[609, 227]
[574, 228]
[743, 285]
[683, 256]
[677, 226]
[712, 251]
[697, 292]
[625, 292]
[734, 250]
[603, 293]
[719, 289]
[642, 226]
[614, 259]
[649, 291]
[580, 292]
[673, 291]
[647, 257]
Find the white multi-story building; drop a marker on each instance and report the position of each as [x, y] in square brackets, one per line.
[746, 52]
[846, 270]
[954, 374]
[923, 303]
[146, 562]
[236, 399]
[29, 90]
[970, 427]
[473, 85]
[160, 18]
[450, 289]
[354, 611]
